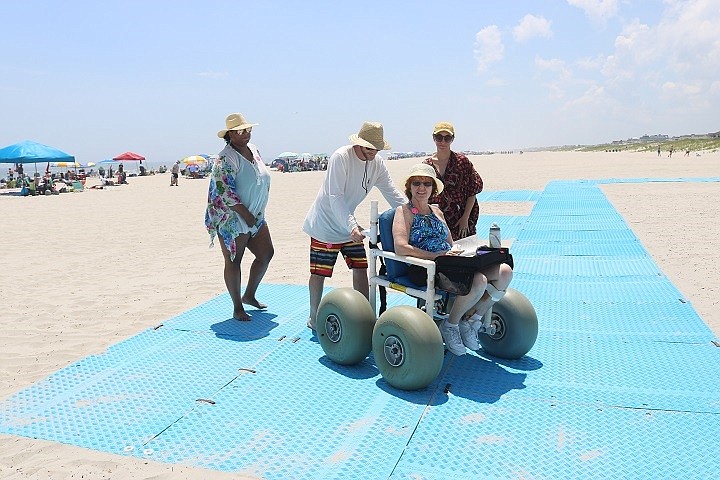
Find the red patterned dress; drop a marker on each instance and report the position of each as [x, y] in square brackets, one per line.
[461, 181]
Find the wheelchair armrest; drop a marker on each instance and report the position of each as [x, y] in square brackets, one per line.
[428, 264]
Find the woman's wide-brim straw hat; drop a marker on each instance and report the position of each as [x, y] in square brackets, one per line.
[425, 170]
[370, 136]
[235, 121]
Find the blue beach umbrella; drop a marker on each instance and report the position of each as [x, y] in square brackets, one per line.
[33, 152]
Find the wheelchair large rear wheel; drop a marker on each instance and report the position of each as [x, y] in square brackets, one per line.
[407, 347]
[344, 326]
[516, 327]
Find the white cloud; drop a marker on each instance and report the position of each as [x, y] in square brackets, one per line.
[683, 49]
[488, 47]
[598, 10]
[561, 76]
[530, 27]
[591, 63]
[554, 64]
[594, 95]
[681, 89]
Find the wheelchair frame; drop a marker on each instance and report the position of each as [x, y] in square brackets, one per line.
[405, 341]
[429, 294]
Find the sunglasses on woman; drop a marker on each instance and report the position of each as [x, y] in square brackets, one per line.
[417, 183]
[439, 138]
[244, 130]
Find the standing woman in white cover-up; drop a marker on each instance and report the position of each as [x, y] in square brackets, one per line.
[237, 198]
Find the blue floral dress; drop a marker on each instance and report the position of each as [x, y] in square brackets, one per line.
[233, 180]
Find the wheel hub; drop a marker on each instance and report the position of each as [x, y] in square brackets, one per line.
[499, 324]
[394, 351]
[333, 328]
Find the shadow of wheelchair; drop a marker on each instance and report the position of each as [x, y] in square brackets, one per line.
[484, 379]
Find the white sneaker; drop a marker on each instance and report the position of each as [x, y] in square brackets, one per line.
[469, 335]
[451, 336]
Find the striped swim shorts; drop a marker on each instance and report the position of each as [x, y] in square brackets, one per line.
[323, 256]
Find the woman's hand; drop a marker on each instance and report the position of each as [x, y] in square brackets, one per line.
[245, 214]
[462, 224]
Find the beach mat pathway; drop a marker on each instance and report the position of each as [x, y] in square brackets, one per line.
[621, 382]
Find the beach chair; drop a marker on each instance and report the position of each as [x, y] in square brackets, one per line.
[77, 186]
[405, 340]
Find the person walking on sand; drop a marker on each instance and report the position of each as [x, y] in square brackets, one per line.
[352, 171]
[462, 183]
[237, 198]
[658, 150]
[174, 174]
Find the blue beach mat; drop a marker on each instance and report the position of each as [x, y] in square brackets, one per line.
[622, 382]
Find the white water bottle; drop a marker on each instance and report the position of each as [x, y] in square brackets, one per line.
[494, 238]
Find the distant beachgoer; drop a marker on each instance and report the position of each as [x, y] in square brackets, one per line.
[193, 169]
[671, 151]
[687, 152]
[237, 198]
[462, 183]
[174, 174]
[353, 170]
[658, 150]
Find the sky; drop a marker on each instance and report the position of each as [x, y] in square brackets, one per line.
[96, 79]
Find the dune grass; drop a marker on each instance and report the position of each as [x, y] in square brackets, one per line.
[680, 144]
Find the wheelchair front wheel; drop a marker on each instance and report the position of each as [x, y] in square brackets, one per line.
[344, 326]
[407, 347]
[516, 327]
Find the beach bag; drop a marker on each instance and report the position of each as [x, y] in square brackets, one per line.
[454, 273]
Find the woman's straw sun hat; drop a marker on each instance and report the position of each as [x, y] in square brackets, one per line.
[425, 170]
[370, 136]
[235, 121]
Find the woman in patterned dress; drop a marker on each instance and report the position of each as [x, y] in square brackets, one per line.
[462, 184]
[237, 197]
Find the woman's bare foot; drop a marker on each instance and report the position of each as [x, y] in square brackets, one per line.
[241, 315]
[254, 302]
[310, 325]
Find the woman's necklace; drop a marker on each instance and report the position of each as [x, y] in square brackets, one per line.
[416, 211]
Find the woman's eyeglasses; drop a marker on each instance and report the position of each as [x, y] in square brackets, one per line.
[439, 138]
[244, 130]
[417, 183]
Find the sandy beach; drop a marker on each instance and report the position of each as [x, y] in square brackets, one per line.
[84, 271]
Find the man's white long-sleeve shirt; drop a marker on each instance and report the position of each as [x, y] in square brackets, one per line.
[347, 182]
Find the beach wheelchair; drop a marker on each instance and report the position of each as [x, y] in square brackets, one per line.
[405, 340]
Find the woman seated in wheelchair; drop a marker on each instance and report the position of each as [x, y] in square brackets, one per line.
[419, 230]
